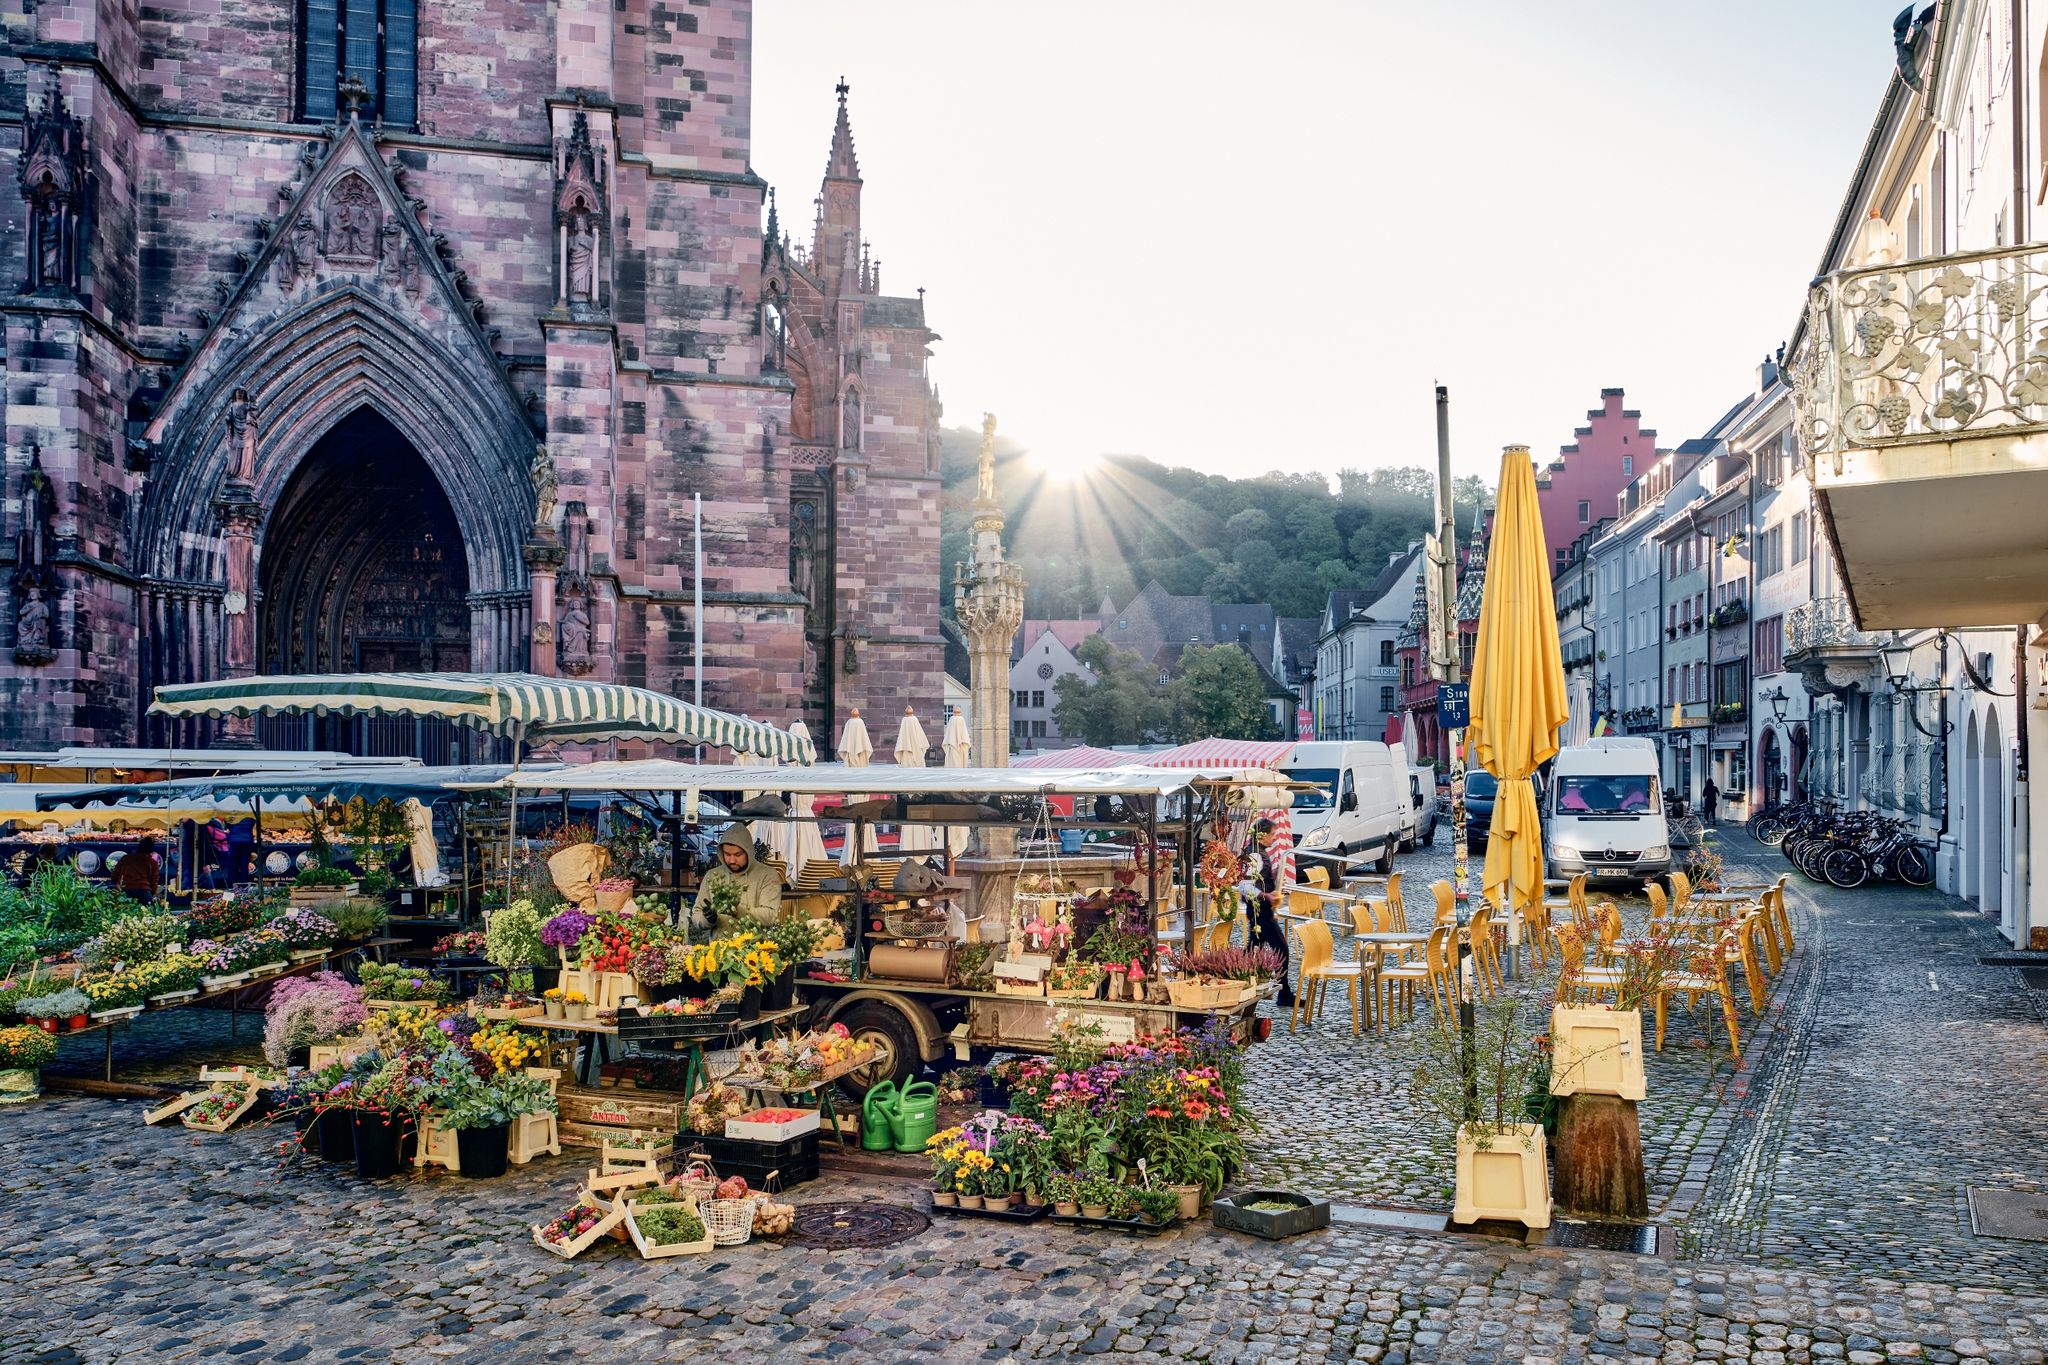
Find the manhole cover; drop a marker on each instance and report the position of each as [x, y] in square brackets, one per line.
[840, 1226]
[2009, 1213]
[1640, 1238]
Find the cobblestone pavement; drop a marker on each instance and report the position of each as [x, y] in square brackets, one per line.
[1338, 1118]
[134, 1244]
[1817, 1197]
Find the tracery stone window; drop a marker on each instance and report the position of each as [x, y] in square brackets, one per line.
[368, 41]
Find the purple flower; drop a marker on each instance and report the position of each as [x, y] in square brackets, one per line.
[566, 928]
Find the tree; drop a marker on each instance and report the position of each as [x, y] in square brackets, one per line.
[1217, 692]
[1117, 706]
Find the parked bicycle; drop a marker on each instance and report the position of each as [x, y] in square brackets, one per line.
[1850, 848]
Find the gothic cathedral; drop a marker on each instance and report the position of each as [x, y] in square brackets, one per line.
[359, 335]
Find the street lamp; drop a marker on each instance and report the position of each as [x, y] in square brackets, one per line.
[1898, 667]
[1777, 698]
[1898, 662]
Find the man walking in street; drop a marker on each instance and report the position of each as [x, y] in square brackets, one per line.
[1710, 796]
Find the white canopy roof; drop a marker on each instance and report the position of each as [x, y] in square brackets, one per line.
[838, 778]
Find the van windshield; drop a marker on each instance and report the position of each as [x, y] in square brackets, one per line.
[1479, 782]
[1604, 794]
[1324, 796]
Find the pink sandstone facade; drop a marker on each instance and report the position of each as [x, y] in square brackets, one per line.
[1609, 451]
[325, 356]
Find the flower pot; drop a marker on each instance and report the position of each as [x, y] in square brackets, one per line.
[1597, 1050]
[1031, 1196]
[307, 1123]
[694, 989]
[574, 1010]
[780, 992]
[337, 1134]
[750, 1004]
[945, 1199]
[553, 1008]
[380, 1144]
[483, 1151]
[1066, 1209]
[1095, 1210]
[79, 1021]
[611, 902]
[545, 978]
[1190, 1200]
[1014, 1199]
[47, 1025]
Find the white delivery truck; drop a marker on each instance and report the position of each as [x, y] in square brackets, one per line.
[1606, 811]
[1361, 802]
[1418, 828]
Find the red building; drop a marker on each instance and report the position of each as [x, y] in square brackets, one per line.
[1580, 486]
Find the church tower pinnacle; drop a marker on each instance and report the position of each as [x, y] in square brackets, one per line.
[835, 247]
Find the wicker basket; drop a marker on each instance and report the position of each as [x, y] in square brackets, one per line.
[731, 1220]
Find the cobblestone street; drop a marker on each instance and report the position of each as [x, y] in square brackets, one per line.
[1814, 1202]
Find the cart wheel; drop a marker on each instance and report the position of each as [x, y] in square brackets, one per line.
[896, 1054]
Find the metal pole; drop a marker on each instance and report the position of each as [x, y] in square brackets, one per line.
[697, 605]
[1447, 607]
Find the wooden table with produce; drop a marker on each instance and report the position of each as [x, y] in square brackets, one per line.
[598, 1047]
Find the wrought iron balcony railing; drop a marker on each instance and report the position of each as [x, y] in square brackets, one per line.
[1825, 624]
[1937, 349]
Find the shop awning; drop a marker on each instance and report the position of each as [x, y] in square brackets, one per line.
[425, 785]
[1081, 756]
[839, 779]
[67, 805]
[1224, 753]
[522, 705]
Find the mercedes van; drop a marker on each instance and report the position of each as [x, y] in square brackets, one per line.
[1605, 811]
[1360, 802]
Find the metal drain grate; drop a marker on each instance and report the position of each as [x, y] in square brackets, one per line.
[2011, 1214]
[2035, 977]
[842, 1226]
[1638, 1238]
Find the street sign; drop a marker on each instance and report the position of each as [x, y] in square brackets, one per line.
[1453, 706]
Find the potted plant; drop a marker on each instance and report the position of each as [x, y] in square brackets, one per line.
[65, 1008]
[481, 1110]
[575, 1005]
[1156, 1206]
[24, 1052]
[171, 978]
[306, 1010]
[967, 1185]
[115, 994]
[1064, 1192]
[397, 983]
[134, 940]
[512, 940]
[1478, 1085]
[381, 1112]
[551, 1003]
[306, 933]
[355, 918]
[1097, 1194]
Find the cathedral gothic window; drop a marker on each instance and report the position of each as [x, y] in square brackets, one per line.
[370, 41]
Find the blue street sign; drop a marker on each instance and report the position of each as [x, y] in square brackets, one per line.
[1453, 706]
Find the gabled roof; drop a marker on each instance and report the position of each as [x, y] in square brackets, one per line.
[1068, 633]
[1248, 624]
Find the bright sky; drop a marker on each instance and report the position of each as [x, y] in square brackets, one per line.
[1254, 237]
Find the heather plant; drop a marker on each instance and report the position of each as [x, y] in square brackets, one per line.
[308, 1010]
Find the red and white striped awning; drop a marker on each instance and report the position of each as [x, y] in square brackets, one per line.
[1223, 753]
[1080, 756]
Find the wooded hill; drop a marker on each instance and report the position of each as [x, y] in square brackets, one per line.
[1287, 539]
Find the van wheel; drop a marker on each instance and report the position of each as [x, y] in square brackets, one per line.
[1386, 862]
[1429, 839]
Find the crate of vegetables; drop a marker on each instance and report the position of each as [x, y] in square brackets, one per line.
[773, 1125]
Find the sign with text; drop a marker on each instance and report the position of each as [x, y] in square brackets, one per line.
[1453, 706]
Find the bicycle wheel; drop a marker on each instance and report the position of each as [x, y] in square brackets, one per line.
[1846, 868]
[1913, 866]
[1769, 830]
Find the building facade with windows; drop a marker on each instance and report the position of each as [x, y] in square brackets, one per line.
[1358, 669]
[1045, 654]
[1579, 487]
[361, 334]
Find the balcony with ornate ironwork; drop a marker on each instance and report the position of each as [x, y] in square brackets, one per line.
[1922, 390]
[1824, 646]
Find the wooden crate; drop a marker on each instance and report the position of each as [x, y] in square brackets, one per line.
[590, 1116]
[247, 1098]
[571, 1250]
[652, 1252]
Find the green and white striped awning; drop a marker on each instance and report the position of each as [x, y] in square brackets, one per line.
[520, 704]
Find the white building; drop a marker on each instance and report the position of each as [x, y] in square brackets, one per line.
[1045, 654]
[1358, 674]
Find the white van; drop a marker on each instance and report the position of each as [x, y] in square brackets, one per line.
[1418, 827]
[1606, 811]
[1361, 802]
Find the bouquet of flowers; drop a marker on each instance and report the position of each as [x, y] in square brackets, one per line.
[566, 929]
[310, 1009]
[24, 1048]
[512, 937]
[661, 963]
[743, 959]
[466, 943]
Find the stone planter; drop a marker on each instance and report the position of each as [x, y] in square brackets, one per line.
[1507, 1179]
[1302, 1214]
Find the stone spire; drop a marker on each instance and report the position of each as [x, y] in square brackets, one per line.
[988, 601]
[1418, 612]
[1472, 575]
[842, 164]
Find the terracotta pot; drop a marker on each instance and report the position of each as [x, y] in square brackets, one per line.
[47, 1025]
[1014, 1199]
[1190, 1200]
[945, 1199]
[1095, 1210]
[1066, 1210]
[79, 1021]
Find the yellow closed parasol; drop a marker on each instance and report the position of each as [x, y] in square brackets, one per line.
[1518, 694]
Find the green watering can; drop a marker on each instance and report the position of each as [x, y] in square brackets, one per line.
[878, 1117]
[916, 1115]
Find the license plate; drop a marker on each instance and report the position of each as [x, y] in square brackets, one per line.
[1610, 872]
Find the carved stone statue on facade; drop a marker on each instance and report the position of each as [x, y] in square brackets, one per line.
[803, 557]
[849, 419]
[582, 259]
[352, 221]
[241, 437]
[35, 580]
[545, 486]
[391, 253]
[54, 175]
[32, 629]
[985, 481]
[575, 635]
[296, 253]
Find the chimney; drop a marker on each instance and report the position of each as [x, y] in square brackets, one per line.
[1766, 374]
[1394, 556]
